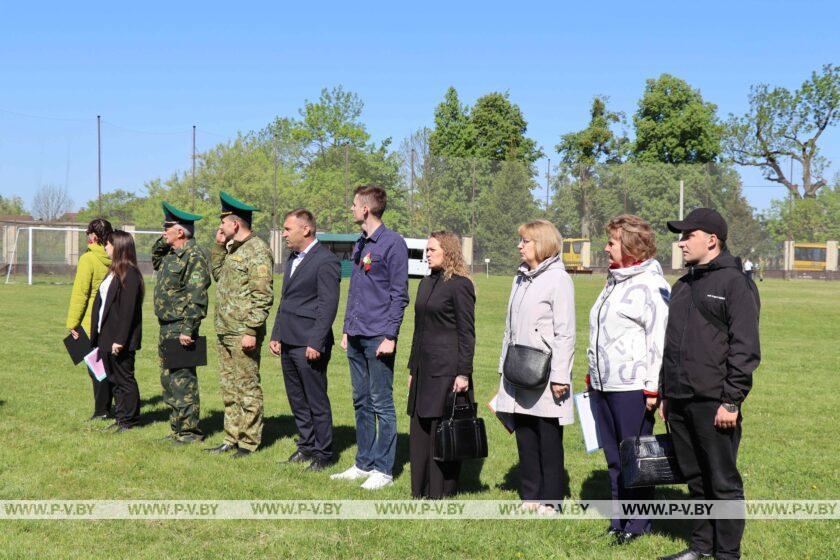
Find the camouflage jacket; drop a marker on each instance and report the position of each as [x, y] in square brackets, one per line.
[183, 278]
[243, 272]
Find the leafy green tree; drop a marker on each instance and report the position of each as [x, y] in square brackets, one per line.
[580, 152]
[781, 124]
[815, 219]
[453, 135]
[12, 206]
[674, 124]
[500, 127]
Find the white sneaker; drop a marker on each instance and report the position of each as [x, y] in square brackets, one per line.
[353, 473]
[378, 480]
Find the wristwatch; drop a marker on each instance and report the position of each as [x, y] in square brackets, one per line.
[729, 407]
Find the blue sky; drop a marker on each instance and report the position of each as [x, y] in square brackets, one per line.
[152, 70]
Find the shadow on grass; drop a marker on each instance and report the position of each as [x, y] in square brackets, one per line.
[597, 487]
[511, 481]
[155, 414]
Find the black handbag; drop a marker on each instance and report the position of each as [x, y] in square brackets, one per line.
[526, 367]
[462, 435]
[649, 461]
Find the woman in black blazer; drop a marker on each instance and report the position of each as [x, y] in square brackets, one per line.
[441, 360]
[116, 327]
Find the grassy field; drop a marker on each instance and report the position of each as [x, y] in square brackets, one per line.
[48, 450]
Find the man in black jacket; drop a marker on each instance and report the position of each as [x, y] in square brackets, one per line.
[711, 351]
[303, 336]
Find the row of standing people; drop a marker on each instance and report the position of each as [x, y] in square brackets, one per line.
[632, 340]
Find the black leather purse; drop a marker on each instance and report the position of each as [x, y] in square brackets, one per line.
[526, 367]
[462, 435]
[649, 461]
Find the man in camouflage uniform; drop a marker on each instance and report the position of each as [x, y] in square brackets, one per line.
[180, 304]
[242, 267]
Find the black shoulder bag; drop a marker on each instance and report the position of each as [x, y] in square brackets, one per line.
[462, 435]
[526, 367]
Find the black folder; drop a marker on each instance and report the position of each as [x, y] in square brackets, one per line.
[78, 348]
[177, 356]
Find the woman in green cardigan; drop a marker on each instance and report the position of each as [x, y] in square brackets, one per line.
[91, 270]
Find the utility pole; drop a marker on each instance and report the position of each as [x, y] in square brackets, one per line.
[682, 197]
[472, 200]
[411, 194]
[547, 183]
[346, 185]
[275, 194]
[193, 171]
[99, 161]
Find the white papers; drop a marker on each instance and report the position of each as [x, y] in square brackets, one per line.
[505, 418]
[95, 365]
[587, 422]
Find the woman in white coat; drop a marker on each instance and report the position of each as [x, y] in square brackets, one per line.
[541, 314]
[626, 338]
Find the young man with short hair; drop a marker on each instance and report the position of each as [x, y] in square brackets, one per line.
[375, 304]
[711, 351]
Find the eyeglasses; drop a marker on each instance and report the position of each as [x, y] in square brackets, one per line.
[525, 241]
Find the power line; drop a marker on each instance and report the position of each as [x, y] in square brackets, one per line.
[42, 117]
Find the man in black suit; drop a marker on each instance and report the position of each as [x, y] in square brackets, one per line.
[303, 336]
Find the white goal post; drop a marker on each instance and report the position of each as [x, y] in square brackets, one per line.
[69, 232]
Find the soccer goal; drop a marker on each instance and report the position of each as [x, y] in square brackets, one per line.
[49, 255]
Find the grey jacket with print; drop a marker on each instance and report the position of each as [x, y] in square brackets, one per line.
[541, 314]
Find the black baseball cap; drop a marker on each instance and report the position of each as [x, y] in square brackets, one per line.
[704, 219]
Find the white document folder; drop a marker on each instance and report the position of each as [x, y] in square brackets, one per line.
[587, 422]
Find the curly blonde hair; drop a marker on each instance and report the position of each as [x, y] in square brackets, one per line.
[453, 258]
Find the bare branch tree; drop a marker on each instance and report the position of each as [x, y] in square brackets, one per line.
[50, 203]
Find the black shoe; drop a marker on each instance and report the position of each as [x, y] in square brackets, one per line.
[96, 417]
[610, 532]
[318, 465]
[241, 452]
[686, 554]
[625, 538]
[186, 439]
[111, 427]
[224, 448]
[299, 457]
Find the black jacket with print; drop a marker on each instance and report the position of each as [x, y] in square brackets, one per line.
[704, 361]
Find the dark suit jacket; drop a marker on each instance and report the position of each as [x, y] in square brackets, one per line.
[309, 301]
[122, 321]
[444, 341]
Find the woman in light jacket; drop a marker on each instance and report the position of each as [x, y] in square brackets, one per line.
[91, 270]
[541, 314]
[626, 337]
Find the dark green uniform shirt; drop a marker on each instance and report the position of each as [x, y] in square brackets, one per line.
[183, 278]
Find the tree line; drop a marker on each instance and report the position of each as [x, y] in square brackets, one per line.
[474, 170]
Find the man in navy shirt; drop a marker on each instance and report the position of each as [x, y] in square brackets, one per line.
[375, 304]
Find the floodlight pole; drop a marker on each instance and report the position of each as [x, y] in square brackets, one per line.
[98, 163]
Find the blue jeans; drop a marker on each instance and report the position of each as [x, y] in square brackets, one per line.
[373, 400]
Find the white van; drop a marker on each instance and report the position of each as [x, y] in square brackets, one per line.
[417, 264]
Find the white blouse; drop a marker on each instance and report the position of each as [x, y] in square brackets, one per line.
[103, 294]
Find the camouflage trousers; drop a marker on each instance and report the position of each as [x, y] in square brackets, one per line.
[180, 391]
[242, 394]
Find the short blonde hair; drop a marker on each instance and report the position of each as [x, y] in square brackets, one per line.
[547, 240]
[638, 239]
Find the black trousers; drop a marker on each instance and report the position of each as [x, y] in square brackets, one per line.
[707, 457]
[102, 396]
[306, 389]
[619, 415]
[429, 478]
[541, 460]
[120, 375]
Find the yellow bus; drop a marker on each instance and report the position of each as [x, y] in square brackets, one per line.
[809, 256]
[572, 248]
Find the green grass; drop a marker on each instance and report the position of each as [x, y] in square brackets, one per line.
[49, 451]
